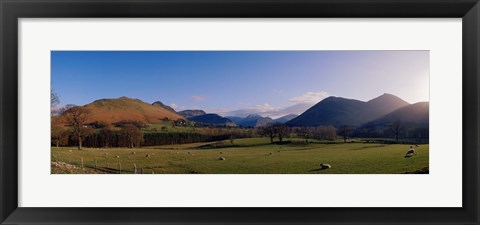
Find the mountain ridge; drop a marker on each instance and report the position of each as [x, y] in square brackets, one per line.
[338, 111]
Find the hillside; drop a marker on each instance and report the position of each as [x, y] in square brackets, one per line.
[236, 119]
[160, 104]
[339, 111]
[416, 115]
[384, 104]
[191, 113]
[285, 118]
[124, 108]
[212, 119]
[334, 111]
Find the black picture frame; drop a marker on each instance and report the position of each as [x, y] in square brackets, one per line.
[12, 10]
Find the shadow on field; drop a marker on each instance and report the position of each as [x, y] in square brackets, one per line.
[316, 170]
[219, 146]
[369, 147]
[424, 170]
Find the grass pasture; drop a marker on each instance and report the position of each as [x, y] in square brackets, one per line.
[246, 156]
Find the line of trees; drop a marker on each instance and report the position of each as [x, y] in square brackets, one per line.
[275, 130]
[396, 130]
[132, 137]
[320, 132]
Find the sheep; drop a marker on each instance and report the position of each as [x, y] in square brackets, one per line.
[410, 152]
[221, 158]
[133, 153]
[271, 153]
[221, 152]
[117, 156]
[147, 155]
[325, 166]
[189, 152]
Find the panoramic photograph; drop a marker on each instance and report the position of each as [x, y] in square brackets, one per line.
[240, 112]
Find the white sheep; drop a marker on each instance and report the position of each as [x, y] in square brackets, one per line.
[325, 166]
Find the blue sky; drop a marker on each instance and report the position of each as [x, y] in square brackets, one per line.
[270, 83]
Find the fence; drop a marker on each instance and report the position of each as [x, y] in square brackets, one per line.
[102, 166]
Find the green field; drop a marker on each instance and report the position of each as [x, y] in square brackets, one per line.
[245, 156]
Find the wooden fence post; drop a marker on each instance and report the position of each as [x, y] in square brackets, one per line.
[95, 164]
[82, 161]
[135, 168]
[141, 170]
[119, 167]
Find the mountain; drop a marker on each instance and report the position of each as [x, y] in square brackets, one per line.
[160, 104]
[414, 115]
[339, 111]
[384, 104]
[235, 119]
[212, 119]
[127, 109]
[252, 120]
[286, 118]
[191, 113]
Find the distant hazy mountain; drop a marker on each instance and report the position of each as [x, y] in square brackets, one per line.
[236, 119]
[160, 104]
[286, 118]
[191, 113]
[338, 111]
[127, 109]
[212, 119]
[414, 115]
[252, 120]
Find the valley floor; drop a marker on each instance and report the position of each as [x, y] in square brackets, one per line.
[245, 156]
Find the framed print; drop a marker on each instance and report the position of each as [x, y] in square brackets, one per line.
[239, 112]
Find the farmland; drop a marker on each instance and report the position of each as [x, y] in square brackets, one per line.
[245, 156]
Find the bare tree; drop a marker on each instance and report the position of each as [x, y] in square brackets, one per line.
[232, 138]
[132, 136]
[107, 133]
[269, 131]
[54, 101]
[76, 117]
[396, 129]
[282, 131]
[344, 131]
[304, 132]
[58, 132]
